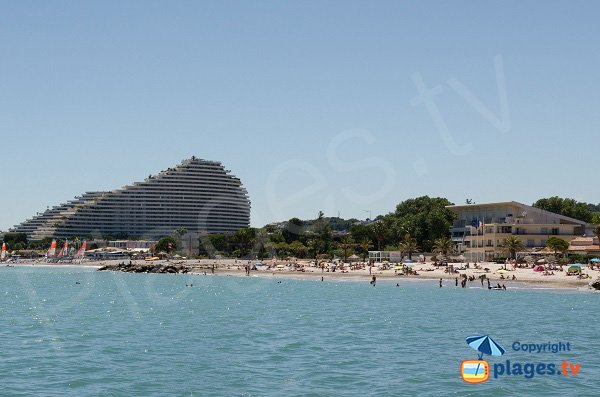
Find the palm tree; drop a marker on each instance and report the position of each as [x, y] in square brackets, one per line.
[511, 245]
[408, 245]
[76, 240]
[364, 245]
[443, 245]
[378, 230]
[347, 244]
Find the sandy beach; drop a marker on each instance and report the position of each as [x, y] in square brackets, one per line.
[523, 276]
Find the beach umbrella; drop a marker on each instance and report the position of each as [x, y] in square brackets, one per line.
[485, 345]
[541, 261]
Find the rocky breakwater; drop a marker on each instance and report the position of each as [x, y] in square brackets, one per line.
[147, 268]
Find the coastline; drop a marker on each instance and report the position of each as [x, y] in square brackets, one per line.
[525, 278]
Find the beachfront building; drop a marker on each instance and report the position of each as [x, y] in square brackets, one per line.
[385, 256]
[479, 229]
[199, 196]
[585, 245]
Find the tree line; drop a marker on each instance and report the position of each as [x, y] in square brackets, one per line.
[419, 224]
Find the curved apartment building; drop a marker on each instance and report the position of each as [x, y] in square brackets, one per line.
[198, 195]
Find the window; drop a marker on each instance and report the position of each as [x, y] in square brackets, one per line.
[555, 231]
[530, 243]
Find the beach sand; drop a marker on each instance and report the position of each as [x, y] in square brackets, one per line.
[524, 277]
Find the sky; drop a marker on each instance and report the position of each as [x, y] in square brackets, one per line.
[348, 107]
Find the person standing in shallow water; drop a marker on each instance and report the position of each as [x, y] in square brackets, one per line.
[373, 281]
[440, 283]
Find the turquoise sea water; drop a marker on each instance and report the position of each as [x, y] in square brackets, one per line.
[117, 334]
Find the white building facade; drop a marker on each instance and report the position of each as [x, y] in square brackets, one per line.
[479, 229]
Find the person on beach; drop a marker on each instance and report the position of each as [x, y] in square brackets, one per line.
[456, 282]
[489, 286]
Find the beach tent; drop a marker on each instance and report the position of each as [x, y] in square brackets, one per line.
[539, 268]
[574, 268]
[595, 260]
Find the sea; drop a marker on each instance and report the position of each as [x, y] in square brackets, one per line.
[72, 331]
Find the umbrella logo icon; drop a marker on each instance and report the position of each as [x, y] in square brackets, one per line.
[478, 371]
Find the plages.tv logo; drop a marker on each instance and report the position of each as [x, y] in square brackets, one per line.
[478, 371]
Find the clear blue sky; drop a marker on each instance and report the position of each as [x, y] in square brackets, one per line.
[313, 104]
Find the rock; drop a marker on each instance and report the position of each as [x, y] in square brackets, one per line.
[595, 284]
[146, 268]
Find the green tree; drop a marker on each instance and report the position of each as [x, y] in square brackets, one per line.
[557, 245]
[443, 245]
[166, 244]
[347, 246]
[293, 230]
[313, 247]
[297, 249]
[220, 242]
[567, 207]
[244, 240]
[379, 233]
[323, 234]
[512, 245]
[425, 218]
[365, 243]
[597, 231]
[408, 245]
[12, 239]
[360, 232]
